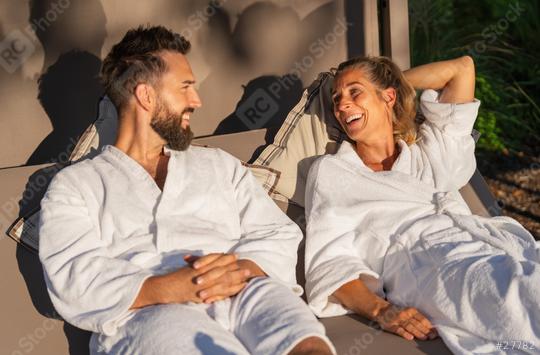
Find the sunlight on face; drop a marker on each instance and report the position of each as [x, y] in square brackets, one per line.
[360, 108]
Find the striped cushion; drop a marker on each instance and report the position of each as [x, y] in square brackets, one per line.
[310, 130]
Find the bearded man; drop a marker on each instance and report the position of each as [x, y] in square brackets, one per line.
[160, 247]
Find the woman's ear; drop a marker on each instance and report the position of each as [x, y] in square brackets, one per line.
[145, 96]
[389, 96]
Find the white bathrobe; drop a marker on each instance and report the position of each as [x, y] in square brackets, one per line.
[408, 233]
[106, 226]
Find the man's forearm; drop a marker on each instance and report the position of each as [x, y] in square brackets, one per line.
[175, 287]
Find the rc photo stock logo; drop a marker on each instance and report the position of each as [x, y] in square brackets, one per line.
[258, 109]
[15, 50]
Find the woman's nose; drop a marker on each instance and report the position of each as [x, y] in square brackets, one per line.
[344, 105]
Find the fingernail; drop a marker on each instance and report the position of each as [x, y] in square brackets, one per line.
[247, 272]
[199, 280]
[195, 265]
[203, 294]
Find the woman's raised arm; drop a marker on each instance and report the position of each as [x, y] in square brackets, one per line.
[455, 77]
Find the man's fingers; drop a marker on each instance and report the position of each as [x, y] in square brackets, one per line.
[190, 259]
[220, 291]
[405, 334]
[206, 259]
[225, 284]
[214, 260]
[211, 275]
[230, 274]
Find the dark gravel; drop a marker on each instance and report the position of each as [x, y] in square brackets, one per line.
[514, 180]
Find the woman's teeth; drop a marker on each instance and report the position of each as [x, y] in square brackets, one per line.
[354, 118]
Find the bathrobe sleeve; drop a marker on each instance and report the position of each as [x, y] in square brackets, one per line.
[446, 138]
[340, 246]
[88, 288]
[269, 238]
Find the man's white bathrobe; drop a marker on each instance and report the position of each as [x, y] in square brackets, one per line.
[106, 226]
[477, 279]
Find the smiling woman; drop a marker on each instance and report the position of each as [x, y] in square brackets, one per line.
[388, 235]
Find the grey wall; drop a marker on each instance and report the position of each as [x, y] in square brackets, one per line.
[243, 51]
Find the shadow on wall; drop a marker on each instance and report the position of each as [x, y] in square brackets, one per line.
[69, 87]
[69, 92]
[273, 43]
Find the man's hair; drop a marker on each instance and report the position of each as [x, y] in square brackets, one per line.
[136, 59]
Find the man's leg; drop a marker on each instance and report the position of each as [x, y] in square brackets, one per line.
[270, 319]
[170, 329]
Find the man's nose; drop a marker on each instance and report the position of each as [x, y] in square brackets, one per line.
[195, 100]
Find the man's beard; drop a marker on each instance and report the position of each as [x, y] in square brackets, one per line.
[168, 126]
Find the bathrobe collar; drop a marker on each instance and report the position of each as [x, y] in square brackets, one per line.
[132, 168]
[347, 152]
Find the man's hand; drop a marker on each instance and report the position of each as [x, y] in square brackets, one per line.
[407, 322]
[222, 275]
[176, 287]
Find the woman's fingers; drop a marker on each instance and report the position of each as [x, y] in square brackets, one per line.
[423, 320]
[405, 334]
[413, 327]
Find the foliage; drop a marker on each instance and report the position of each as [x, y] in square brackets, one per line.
[503, 37]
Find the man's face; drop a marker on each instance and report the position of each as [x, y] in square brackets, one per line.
[176, 100]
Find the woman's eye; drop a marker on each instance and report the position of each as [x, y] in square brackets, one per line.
[355, 92]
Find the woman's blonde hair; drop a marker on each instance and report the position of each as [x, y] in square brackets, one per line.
[384, 73]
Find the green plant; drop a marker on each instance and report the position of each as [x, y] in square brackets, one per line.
[502, 37]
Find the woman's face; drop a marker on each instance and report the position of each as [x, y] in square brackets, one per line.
[364, 112]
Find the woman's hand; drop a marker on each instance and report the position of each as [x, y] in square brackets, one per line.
[406, 322]
[455, 77]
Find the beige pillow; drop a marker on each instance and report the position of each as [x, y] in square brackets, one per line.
[310, 130]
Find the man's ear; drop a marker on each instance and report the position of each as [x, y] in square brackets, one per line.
[389, 96]
[145, 95]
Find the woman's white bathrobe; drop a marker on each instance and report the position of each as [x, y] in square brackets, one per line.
[106, 226]
[409, 230]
